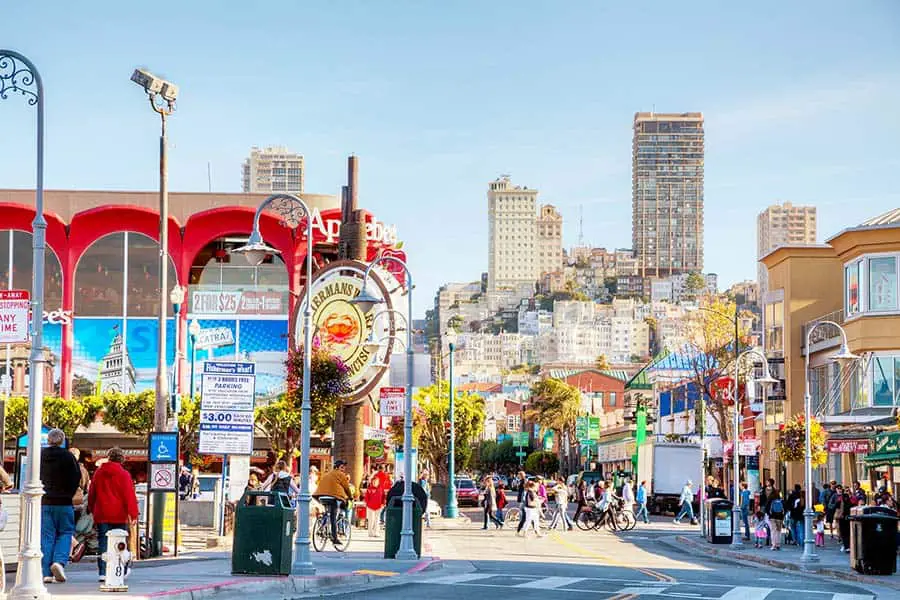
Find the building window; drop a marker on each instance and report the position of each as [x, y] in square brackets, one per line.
[612, 398]
[882, 283]
[883, 381]
[851, 278]
[774, 322]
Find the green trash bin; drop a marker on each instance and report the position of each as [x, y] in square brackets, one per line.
[393, 523]
[263, 534]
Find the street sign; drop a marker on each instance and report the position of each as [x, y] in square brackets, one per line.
[520, 453]
[14, 309]
[594, 428]
[215, 337]
[163, 477]
[581, 428]
[163, 447]
[227, 399]
[520, 438]
[391, 401]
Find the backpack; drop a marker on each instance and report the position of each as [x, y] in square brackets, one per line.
[283, 485]
[501, 500]
[776, 507]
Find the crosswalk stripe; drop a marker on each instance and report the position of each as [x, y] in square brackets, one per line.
[746, 593]
[549, 583]
[465, 577]
[852, 597]
[640, 591]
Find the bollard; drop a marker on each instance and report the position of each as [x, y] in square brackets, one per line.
[118, 560]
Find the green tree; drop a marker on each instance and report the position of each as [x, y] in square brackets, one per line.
[542, 463]
[554, 407]
[81, 386]
[455, 323]
[430, 433]
[189, 427]
[694, 284]
[16, 416]
[496, 456]
[131, 414]
[68, 415]
[601, 363]
[279, 422]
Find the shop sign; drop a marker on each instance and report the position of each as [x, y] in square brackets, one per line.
[58, 317]
[14, 309]
[237, 303]
[847, 446]
[391, 400]
[373, 433]
[214, 337]
[375, 449]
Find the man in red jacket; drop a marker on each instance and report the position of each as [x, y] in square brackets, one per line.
[111, 500]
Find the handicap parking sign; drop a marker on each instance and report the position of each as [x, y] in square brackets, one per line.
[163, 447]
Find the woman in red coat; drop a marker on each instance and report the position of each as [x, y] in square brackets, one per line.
[375, 495]
[111, 500]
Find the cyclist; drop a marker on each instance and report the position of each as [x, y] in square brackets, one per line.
[334, 489]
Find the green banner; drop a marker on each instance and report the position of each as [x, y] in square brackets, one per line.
[581, 428]
[594, 428]
[520, 438]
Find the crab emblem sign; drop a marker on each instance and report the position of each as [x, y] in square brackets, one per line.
[341, 328]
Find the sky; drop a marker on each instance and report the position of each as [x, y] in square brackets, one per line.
[439, 98]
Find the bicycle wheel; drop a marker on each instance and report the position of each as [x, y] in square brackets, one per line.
[630, 520]
[343, 534]
[513, 516]
[587, 520]
[319, 535]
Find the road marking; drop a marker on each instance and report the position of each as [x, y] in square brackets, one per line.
[464, 578]
[852, 597]
[639, 591]
[375, 573]
[576, 548]
[746, 593]
[549, 583]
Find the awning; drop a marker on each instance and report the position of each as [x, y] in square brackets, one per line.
[887, 451]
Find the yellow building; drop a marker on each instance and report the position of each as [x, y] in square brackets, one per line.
[851, 280]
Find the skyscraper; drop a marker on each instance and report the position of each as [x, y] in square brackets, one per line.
[667, 193]
[782, 225]
[273, 169]
[512, 235]
[549, 240]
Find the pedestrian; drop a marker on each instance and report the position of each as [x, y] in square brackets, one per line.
[281, 482]
[858, 497]
[501, 502]
[384, 482]
[761, 528]
[520, 499]
[745, 509]
[834, 499]
[84, 482]
[796, 506]
[826, 496]
[580, 498]
[112, 501]
[641, 498]
[687, 500]
[334, 489]
[185, 482]
[532, 504]
[842, 515]
[61, 476]
[776, 513]
[628, 495]
[820, 530]
[374, 498]
[426, 485]
[561, 492]
[489, 503]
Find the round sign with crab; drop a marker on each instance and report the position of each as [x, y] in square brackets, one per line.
[342, 329]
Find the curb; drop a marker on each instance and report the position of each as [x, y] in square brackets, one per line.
[741, 557]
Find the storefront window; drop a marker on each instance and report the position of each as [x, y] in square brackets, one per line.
[883, 380]
[851, 278]
[883, 283]
[16, 258]
[774, 323]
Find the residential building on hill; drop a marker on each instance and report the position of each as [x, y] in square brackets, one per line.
[783, 225]
[273, 169]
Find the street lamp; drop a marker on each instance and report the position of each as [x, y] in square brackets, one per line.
[292, 209]
[161, 94]
[452, 510]
[194, 331]
[366, 301]
[767, 379]
[19, 75]
[176, 296]
[843, 356]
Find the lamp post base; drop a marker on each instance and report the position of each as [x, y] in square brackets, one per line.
[737, 538]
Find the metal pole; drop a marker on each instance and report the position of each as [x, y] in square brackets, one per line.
[29, 581]
[193, 358]
[162, 392]
[736, 536]
[302, 560]
[809, 553]
[407, 550]
[222, 495]
[452, 506]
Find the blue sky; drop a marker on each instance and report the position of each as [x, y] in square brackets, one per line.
[438, 99]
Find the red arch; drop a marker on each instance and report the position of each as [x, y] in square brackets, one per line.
[18, 216]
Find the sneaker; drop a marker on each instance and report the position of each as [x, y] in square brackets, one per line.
[49, 580]
[676, 521]
[102, 579]
[58, 572]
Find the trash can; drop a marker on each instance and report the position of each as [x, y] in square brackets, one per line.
[873, 540]
[393, 523]
[719, 522]
[263, 534]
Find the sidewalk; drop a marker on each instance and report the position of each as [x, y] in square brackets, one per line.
[207, 574]
[832, 562]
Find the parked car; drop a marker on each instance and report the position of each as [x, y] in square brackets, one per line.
[466, 492]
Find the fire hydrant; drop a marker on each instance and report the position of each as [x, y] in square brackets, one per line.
[118, 560]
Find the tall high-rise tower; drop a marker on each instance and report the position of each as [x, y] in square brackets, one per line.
[667, 193]
[549, 240]
[782, 225]
[512, 235]
[273, 169]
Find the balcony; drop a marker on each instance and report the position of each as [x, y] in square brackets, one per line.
[824, 337]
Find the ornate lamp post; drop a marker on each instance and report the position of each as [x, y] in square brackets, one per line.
[452, 510]
[366, 301]
[843, 356]
[194, 331]
[18, 75]
[176, 296]
[292, 210]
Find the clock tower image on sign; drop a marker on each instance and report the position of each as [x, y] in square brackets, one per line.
[113, 365]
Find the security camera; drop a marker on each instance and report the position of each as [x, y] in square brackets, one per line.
[148, 81]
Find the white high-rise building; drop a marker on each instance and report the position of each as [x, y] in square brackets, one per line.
[549, 240]
[273, 169]
[512, 235]
[782, 225]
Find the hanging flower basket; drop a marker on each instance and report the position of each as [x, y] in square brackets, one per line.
[791, 443]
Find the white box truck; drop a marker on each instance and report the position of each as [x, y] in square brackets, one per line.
[666, 466]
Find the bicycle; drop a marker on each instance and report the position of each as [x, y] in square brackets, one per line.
[513, 515]
[321, 533]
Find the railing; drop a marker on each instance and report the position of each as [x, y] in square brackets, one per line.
[823, 337]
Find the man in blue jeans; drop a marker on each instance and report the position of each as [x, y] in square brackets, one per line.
[687, 508]
[60, 475]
